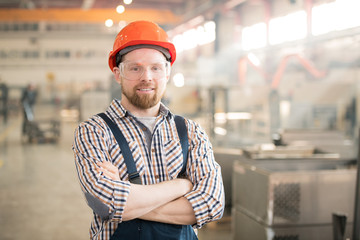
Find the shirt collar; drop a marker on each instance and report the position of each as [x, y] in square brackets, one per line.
[117, 110]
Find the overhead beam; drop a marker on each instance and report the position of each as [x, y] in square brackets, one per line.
[87, 16]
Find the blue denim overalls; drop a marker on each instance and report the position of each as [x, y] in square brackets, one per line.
[138, 229]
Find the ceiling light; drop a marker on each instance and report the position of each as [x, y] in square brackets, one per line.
[120, 9]
[220, 131]
[179, 80]
[127, 2]
[109, 23]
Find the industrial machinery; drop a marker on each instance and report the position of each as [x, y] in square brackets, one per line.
[291, 192]
[4, 96]
[39, 131]
[299, 197]
[226, 158]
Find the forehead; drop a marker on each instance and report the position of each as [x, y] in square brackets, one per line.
[144, 55]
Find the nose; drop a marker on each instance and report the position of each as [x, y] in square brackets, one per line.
[147, 75]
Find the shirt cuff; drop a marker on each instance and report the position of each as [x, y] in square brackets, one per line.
[120, 195]
[200, 208]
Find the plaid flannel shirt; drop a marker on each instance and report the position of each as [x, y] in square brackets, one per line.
[94, 142]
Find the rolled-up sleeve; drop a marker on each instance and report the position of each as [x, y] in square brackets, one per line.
[90, 147]
[207, 196]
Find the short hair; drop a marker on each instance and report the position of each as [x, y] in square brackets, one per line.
[126, 50]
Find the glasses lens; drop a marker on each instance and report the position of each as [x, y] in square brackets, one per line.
[134, 71]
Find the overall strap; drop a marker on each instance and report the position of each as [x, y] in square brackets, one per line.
[183, 135]
[134, 176]
[128, 158]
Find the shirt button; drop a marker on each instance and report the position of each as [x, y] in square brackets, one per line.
[153, 150]
[157, 176]
[144, 129]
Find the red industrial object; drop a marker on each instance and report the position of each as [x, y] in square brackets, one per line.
[242, 68]
[304, 62]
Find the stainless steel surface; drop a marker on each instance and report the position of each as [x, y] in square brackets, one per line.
[226, 158]
[283, 193]
[263, 151]
[246, 228]
[326, 141]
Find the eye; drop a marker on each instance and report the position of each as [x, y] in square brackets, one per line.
[134, 68]
[158, 67]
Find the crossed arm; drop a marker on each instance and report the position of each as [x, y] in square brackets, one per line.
[162, 202]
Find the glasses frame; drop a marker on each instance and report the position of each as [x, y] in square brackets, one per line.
[122, 69]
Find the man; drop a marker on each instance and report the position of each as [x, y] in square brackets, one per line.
[28, 99]
[4, 97]
[164, 206]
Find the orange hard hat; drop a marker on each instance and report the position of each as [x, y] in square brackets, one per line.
[142, 33]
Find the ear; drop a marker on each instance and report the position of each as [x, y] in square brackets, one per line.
[116, 72]
[168, 75]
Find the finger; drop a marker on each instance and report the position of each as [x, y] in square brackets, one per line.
[100, 164]
[106, 165]
[111, 168]
[107, 173]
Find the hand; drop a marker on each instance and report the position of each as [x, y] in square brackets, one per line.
[186, 184]
[109, 170]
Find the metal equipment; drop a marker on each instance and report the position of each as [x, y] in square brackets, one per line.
[291, 197]
[291, 191]
[39, 131]
[226, 158]
[245, 227]
[339, 226]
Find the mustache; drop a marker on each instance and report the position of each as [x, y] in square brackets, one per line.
[145, 86]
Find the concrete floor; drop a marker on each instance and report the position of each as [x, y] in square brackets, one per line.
[40, 197]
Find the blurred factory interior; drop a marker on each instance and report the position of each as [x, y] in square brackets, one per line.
[275, 83]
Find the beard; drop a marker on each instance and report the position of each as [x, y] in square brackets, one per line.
[143, 101]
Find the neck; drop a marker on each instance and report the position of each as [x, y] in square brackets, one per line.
[139, 112]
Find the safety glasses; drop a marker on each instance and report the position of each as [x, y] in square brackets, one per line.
[134, 71]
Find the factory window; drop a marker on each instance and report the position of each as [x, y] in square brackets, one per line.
[17, 27]
[254, 36]
[194, 37]
[288, 28]
[84, 54]
[206, 33]
[19, 54]
[335, 16]
[73, 27]
[3, 54]
[31, 54]
[58, 54]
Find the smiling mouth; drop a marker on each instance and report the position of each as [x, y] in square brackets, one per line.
[145, 89]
